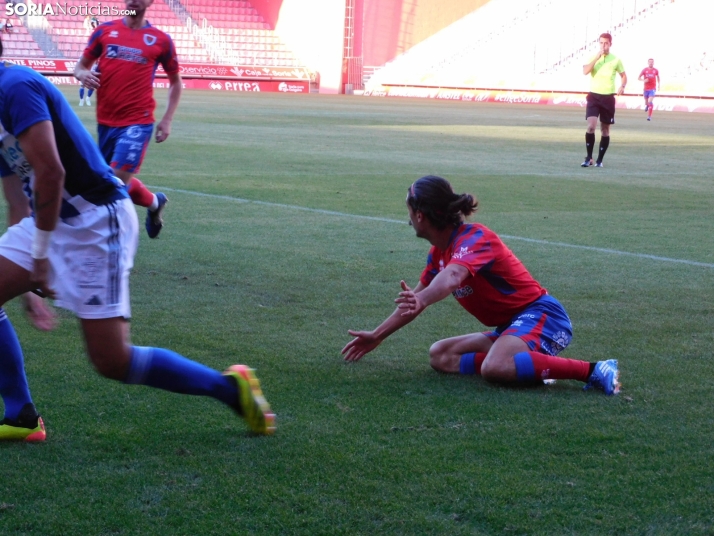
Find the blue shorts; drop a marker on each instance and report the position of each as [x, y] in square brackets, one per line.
[544, 326]
[649, 93]
[124, 147]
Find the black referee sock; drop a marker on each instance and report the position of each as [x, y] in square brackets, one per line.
[589, 143]
[604, 144]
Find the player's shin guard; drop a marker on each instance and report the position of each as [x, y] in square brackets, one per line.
[604, 144]
[81, 92]
[532, 366]
[13, 382]
[471, 363]
[140, 194]
[90, 93]
[164, 369]
[589, 143]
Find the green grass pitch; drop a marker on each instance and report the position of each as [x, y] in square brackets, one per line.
[243, 273]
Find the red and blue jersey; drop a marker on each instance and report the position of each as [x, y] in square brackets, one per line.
[498, 286]
[129, 61]
[650, 75]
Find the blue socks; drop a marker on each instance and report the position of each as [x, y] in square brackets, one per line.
[81, 92]
[89, 93]
[525, 370]
[13, 382]
[467, 365]
[164, 369]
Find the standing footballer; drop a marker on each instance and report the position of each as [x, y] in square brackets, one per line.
[651, 77]
[601, 99]
[130, 50]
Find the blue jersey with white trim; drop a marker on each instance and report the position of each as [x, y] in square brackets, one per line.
[27, 98]
[13, 161]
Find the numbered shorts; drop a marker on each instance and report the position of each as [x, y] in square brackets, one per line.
[602, 106]
[91, 256]
[544, 326]
[124, 147]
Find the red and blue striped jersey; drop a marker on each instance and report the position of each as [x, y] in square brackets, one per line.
[650, 75]
[129, 59]
[498, 286]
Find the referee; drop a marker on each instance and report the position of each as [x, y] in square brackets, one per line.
[601, 99]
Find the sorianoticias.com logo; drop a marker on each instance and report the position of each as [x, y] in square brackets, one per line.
[80, 10]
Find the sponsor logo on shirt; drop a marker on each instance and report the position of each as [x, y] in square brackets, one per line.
[119, 52]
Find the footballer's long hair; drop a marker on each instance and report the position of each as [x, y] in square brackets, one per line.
[435, 197]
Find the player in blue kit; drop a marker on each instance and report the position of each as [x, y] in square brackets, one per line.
[79, 248]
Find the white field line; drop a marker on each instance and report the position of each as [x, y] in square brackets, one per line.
[404, 221]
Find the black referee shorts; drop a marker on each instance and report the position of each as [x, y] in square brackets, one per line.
[602, 106]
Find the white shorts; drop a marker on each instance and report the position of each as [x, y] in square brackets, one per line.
[91, 256]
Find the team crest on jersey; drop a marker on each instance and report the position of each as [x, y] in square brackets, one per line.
[559, 341]
[113, 33]
[149, 39]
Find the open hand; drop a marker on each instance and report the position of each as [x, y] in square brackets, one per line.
[38, 313]
[409, 301]
[163, 129]
[363, 343]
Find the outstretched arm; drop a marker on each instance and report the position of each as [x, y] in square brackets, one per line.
[366, 341]
[410, 304]
[413, 302]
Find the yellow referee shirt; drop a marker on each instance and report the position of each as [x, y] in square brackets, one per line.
[603, 75]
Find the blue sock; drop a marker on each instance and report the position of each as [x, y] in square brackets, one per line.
[164, 369]
[81, 92]
[89, 93]
[13, 382]
[467, 365]
[525, 370]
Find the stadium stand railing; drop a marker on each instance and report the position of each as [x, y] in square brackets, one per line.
[203, 31]
[17, 40]
[236, 32]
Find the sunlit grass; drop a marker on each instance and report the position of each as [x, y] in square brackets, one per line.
[387, 445]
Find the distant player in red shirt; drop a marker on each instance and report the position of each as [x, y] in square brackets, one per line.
[469, 261]
[130, 50]
[651, 77]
